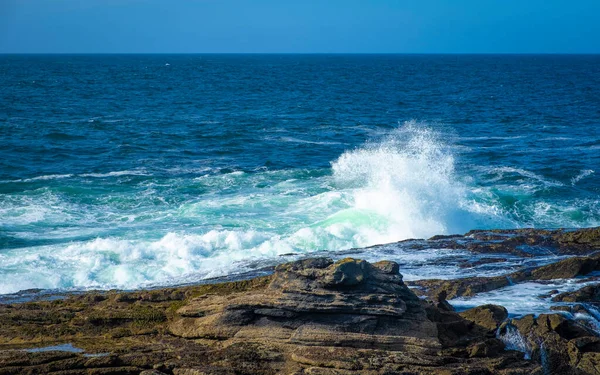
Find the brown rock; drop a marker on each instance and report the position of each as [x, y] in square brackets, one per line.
[152, 372]
[565, 269]
[590, 293]
[313, 316]
[563, 346]
[487, 316]
[470, 286]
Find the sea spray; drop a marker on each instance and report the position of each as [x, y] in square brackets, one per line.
[407, 180]
[131, 228]
[513, 340]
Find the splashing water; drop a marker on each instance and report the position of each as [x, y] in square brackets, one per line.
[408, 181]
[513, 340]
[142, 227]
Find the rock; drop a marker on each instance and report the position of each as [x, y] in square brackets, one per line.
[466, 287]
[487, 348]
[563, 242]
[560, 344]
[549, 294]
[385, 266]
[346, 272]
[565, 269]
[470, 286]
[346, 303]
[590, 293]
[313, 316]
[487, 316]
[442, 304]
[588, 238]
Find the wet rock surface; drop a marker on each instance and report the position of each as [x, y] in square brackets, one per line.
[590, 293]
[313, 316]
[563, 269]
[319, 316]
[559, 344]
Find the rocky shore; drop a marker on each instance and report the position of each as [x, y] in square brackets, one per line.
[319, 316]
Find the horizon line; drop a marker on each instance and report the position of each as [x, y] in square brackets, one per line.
[300, 53]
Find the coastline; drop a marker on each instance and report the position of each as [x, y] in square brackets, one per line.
[317, 316]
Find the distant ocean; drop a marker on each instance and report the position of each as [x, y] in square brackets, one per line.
[126, 171]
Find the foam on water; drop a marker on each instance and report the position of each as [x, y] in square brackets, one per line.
[408, 180]
[523, 298]
[515, 341]
[583, 174]
[93, 230]
[116, 174]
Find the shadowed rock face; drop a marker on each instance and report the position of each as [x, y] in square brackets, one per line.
[561, 345]
[310, 317]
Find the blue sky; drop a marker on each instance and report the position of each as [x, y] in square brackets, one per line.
[299, 26]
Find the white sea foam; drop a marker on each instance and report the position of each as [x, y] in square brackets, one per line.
[583, 174]
[116, 263]
[408, 182]
[522, 298]
[502, 172]
[402, 187]
[513, 340]
[116, 174]
[184, 228]
[48, 177]
[298, 140]
[485, 138]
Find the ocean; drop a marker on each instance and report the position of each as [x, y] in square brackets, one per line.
[130, 171]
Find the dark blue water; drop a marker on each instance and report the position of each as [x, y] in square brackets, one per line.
[129, 170]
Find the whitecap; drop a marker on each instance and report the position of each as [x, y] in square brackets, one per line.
[116, 174]
[583, 174]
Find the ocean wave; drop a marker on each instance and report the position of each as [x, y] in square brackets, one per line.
[188, 227]
[116, 174]
[49, 177]
[117, 263]
[492, 138]
[583, 174]
[37, 178]
[500, 173]
[409, 178]
[298, 140]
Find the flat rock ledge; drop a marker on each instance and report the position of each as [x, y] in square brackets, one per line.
[320, 317]
[312, 316]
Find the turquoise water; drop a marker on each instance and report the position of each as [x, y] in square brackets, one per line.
[135, 170]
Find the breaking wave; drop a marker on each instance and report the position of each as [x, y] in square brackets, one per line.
[95, 232]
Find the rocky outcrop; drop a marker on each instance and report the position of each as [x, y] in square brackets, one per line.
[487, 316]
[312, 316]
[317, 316]
[527, 242]
[561, 345]
[467, 287]
[589, 293]
[531, 242]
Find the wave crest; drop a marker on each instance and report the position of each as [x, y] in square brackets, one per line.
[408, 180]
